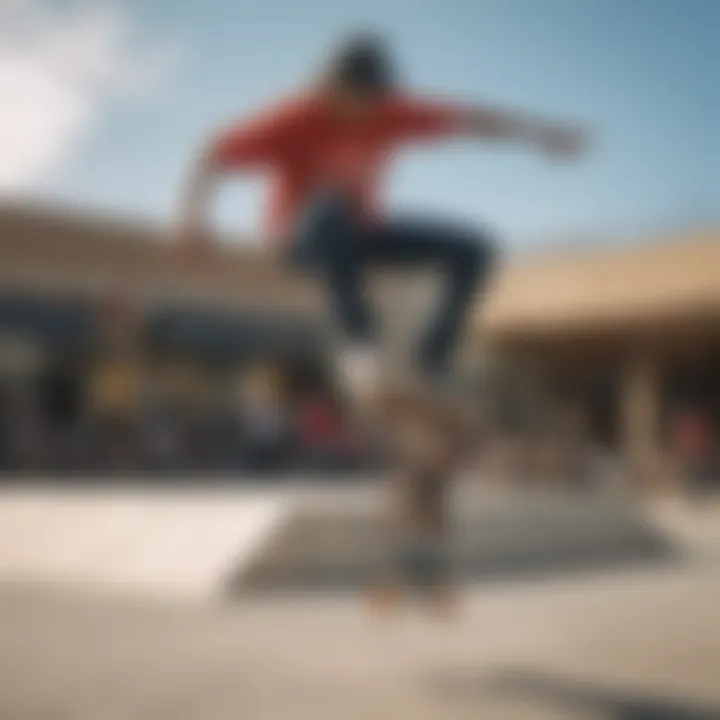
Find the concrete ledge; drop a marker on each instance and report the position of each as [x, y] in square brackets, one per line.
[345, 545]
[205, 543]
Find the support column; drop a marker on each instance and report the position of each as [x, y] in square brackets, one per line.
[640, 422]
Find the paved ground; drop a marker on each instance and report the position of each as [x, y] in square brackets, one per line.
[636, 645]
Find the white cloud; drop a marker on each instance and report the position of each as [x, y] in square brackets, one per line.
[59, 70]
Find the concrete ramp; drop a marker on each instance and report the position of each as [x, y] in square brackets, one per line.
[204, 543]
[161, 542]
[342, 541]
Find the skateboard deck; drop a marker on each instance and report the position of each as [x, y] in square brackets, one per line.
[426, 432]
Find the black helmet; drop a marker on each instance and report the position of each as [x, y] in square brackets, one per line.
[363, 63]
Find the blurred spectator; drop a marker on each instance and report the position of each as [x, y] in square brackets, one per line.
[265, 418]
[605, 467]
[161, 432]
[115, 403]
[692, 441]
[61, 396]
[220, 429]
[5, 428]
[322, 441]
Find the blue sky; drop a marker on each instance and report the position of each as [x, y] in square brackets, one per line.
[644, 75]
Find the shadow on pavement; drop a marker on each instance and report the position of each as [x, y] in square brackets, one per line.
[353, 576]
[567, 695]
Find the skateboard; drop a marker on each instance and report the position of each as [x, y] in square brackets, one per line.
[422, 431]
[426, 433]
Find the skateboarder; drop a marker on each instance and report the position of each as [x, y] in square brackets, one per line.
[325, 151]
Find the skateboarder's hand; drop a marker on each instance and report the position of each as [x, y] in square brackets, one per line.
[561, 143]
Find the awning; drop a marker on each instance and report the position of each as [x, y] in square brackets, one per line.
[224, 336]
[45, 320]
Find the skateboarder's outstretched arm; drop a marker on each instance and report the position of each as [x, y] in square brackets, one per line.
[250, 145]
[279, 139]
[557, 140]
[430, 119]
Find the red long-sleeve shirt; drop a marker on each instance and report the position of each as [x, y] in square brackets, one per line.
[306, 146]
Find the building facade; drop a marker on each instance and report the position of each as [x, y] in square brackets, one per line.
[632, 333]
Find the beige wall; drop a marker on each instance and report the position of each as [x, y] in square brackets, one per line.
[553, 295]
[669, 279]
[65, 254]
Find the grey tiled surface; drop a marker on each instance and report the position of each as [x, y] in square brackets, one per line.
[624, 646]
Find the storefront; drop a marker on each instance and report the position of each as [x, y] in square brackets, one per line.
[630, 336]
[614, 341]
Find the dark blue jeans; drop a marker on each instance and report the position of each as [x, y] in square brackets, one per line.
[330, 241]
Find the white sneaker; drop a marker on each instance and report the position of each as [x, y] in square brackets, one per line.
[358, 369]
